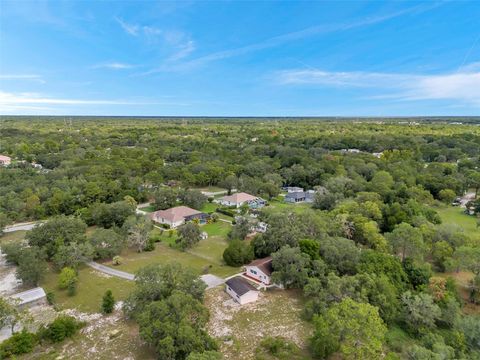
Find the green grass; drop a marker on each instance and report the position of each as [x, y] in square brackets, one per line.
[164, 254]
[209, 207]
[454, 215]
[148, 209]
[280, 205]
[91, 287]
[12, 236]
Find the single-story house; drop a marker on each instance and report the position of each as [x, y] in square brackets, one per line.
[298, 197]
[260, 270]
[292, 189]
[178, 215]
[5, 160]
[242, 198]
[30, 298]
[241, 290]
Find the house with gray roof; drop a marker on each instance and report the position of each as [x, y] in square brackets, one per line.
[241, 290]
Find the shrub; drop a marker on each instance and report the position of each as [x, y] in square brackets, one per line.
[19, 343]
[68, 280]
[108, 302]
[150, 245]
[61, 328]
[277, 347]
[238, 253]
[225, 211]
[117, 260]
[50, 297]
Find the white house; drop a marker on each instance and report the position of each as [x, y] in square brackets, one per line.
[5, 160]
[260, 270]
[177, 216]
[240, 199]
[241, 290]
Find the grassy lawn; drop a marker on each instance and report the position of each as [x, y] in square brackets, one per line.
[148, 209]
[91, 287]
[13, 236]
[240, 329]
[209, 207]
[454, 215]
[280, 204]
[132, 261]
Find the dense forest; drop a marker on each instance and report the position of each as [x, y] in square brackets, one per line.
[370, 256]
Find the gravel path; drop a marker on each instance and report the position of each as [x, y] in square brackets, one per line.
[21, 226]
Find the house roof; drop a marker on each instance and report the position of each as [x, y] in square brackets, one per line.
[28, 296]
[174, 214]
[239, 198]
[240, 285]
[296, 195]
[264, 264]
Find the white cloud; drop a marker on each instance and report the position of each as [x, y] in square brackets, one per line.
[184, 50]
[130, 29]
[17, 102]
[113, 65]
[463, 86]
[27, 77]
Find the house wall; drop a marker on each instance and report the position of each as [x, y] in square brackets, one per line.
[256, 273]
[245, 298]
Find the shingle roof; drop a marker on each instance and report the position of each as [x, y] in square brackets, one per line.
[174, 214]
[240, 285]
[264, 264]
[239, 197]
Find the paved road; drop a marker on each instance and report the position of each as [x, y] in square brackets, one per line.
[21, 226]
[109, 271]
[209, 279]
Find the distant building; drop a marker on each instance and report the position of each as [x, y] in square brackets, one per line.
[242, 198]
[300, 197]
[30, 298]
[260, 270]
[177, 216]
[292, 189]
[5, 160]
[241, 290]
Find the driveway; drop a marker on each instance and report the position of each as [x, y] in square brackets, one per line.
[209, 279]
[21, 226]
[109, 271]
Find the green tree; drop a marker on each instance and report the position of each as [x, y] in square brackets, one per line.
[72, 255]
[353, 329]
[419, 312]
[406, 241]
[241, 228]
[108, 302]
[31, 266]
[106, 243]
[193, 198]
[138, 229]
[175, 326]
[56, 232]
[3, 222]
[156, 282]
[165, 198]
[238, 253]
[447, 196]
[310, 247]
[290, 267]
[68, 279]
[189, 234]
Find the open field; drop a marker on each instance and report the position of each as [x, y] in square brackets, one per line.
[240, 329]
[209, 207]
[455, 215]
[103, 338]
[13, 236]
[91, 287]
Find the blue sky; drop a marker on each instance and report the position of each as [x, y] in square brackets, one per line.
[245, 58]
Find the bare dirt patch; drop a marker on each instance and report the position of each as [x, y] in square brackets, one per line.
[239, 329]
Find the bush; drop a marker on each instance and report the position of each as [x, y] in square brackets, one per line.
[19, 343]
[226, 211]
[150, 246]
[117, 260]
[108, 302]
[238, 253]
[68, 280]
[278, 348]
[50, 297]
[61, 328]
